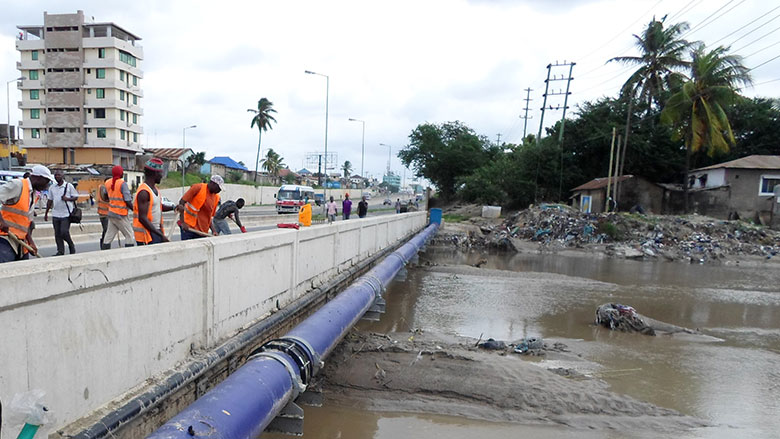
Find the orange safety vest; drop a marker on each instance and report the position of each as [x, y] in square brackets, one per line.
[116, 202]
[19, 215]
[191, 209]
[140, 232]
[102, 205]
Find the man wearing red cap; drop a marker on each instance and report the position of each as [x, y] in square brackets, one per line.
[120, 203]
[148, 208]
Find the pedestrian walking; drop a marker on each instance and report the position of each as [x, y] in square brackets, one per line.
[332, 211]
[120, 204]
[362, 207]
[346, 207]
[198, 206]
[228, 209]
[398, 205]
[62, 201]
[102, 209]
[148, 208]
[16, 213]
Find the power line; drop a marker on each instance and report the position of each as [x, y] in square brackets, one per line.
[759, 27]
[621, 32]
[692, 31]
[707, 18]
[763, 63]
[759, 38]
[684, 7]
[746, 25]
[761, 50]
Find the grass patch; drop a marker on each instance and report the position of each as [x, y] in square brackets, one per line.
[454, 218]
[610, 230]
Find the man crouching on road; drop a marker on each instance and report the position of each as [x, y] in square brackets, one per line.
[197, 208]
[148, 206]
[17, 197]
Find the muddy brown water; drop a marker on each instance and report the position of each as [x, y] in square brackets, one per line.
[733, 383]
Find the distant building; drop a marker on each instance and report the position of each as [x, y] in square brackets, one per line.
[635, 192]
[741, 188]
[222, 165]
[171, 157]
[392, 179]
[81, 92]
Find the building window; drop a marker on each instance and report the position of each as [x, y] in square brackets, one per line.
[135, 137]
[34, 55]
[121, 95]
[135, 100]
[35, 113]
[121, 134]
[100, 113]
[768, 183]
[135, 118]
[34, 95]
[35, 133]
[101, 52]
[100, 73]
[100, 93]
[101, 133]
[121, 75]
[126, 58]
[135, 80]
[33, 75]
[121, 114]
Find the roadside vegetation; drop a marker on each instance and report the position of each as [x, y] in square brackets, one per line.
[659, 111]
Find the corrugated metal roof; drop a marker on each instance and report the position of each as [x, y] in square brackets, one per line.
[749, 162]
[228, 163]
[598, 183]
[167, 153]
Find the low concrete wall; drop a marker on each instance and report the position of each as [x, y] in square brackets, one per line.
[87, 328]
[259, 194]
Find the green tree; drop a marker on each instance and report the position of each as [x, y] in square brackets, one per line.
[661, 57]
[195, 161]
[347, 168]
[273, 163]
[697, 112]
[235, 176]
[262, 119]
[446, 152]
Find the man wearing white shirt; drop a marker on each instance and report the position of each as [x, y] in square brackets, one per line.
[62, 201]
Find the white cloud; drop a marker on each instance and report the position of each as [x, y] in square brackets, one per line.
[393, 64]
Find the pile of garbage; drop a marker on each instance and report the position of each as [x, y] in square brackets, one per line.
[624, 318]
[692, 238]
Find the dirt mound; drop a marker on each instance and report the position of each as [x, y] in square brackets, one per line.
[414, 372]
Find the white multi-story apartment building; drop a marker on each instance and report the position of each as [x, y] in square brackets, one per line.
[81, 92]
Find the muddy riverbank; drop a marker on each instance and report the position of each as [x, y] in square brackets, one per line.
[445, 375]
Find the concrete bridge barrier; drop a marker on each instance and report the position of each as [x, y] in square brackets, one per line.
[90, 327]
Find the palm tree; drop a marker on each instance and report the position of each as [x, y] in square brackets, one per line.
[662, 54]
[347, 168]
[697, 112]
[273, 163]
[262, 119]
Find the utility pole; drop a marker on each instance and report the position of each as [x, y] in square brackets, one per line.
[547, 93]
[498, 139]
[609, 172]
[527, 102]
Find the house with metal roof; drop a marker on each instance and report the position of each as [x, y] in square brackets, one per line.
[743, 188]
[222, 165]
[171, 157]
[633, 192]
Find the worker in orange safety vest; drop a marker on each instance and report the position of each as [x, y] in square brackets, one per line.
[197, 208]
[16, 213]
[148, 207]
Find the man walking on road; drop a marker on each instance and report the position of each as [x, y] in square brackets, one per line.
[148, 208]
[346, 207]
[120, 203]
[332, 211]
[61, 195]
[16, 213]
[228, 209]
[102, 209]
[362, 207]
[197, 208]
[398, 205]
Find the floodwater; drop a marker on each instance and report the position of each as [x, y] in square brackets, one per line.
[733, 383]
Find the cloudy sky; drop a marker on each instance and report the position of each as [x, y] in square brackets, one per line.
[394, 64]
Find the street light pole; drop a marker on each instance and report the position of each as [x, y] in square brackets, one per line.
[389, 153]
[327, 95]
[362, 146]
[184, 147]
[8, 109]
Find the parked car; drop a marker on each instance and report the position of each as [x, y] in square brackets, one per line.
[387, 202]
[319, 199]
[167, 203]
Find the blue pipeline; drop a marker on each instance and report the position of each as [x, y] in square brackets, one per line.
[243, 405]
